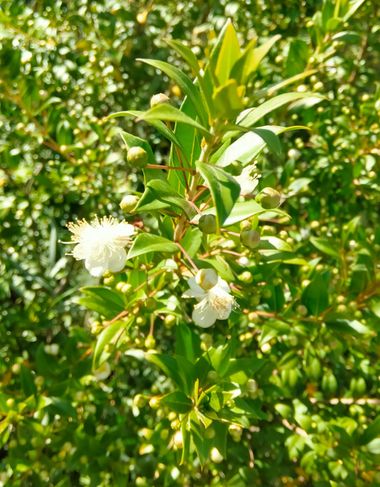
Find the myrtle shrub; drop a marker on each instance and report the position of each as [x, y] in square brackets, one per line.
[216, 167]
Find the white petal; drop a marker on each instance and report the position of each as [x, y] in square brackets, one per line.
[223, 314]
[195, 291]
[203, 315]
[116, 261]
[79, 252]
[94, 269]
[122, 233]
[223, 285]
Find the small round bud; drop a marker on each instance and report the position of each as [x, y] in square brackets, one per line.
[269, 198]
[246, 277]
[207, 224]
[294, 154]
[178, 439]
[10, 402]
[150, 342]
[215, 455]
[154, 403]
[139, 401]
[159, 99]
[16, 368]
[252, 386]
[128, 202]
[126, 288]
[169, 321]
[250, 238]
[137, 156]
[206, 278]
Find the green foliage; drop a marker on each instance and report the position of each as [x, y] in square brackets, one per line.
[110, 381]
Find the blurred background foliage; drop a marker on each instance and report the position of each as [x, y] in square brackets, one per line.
[64, 66]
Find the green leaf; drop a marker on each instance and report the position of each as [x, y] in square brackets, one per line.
[258, 54]
[241, 211]
[190, 141]
[192, 241]
[270, 138]
[131, 140]
[229, 53]
[249, 117]
[252, 407]
[27, 381]
[159, 194]
[249, 145]
[169, 113]
[221, 266]
[372, 432]
[316, 295]
[184, 82]
[171, 367]
[186, 53]
[187, 343]
[147, 242]
[110, 334]
[326, 246]
[178, 402]
[228, 99]
[223, 187]
[103, 300]
[298, 57]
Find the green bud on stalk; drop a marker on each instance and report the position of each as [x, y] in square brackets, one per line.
[269, 198]
[128, 202]
[137, 157]
[207, 224]
[250, 238]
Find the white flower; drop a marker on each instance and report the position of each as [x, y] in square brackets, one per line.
[214, 299]
[101, 244]
[248, 180]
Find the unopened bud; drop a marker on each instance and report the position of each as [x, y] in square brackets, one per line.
[137, 156]
[178, 439]
[128, 202]
[206, 278]
[159, 99]
[250, 238]
[269, 198]
[169, 321]
[139, 401]
[215, 455]
[207, 224]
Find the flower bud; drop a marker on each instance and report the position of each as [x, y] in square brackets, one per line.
[150, 342]
[246, 277]
[137, 156]
[169, 321]
[139, 401]
[216, 457]
[159, 99]
[269, 198]
[207, 224]
[178, 439]
[154, 403]
[250, 238]
[206, 278]
[128, 202]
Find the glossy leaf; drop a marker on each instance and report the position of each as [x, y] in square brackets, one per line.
[146, 243]
[223, 187]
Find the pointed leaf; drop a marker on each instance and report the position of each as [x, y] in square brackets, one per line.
[223, 187]
[184, 82]
[249, 145]
[228, 54]
[147, 242]
[108, 335]
[178, 402]
[249, 117]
